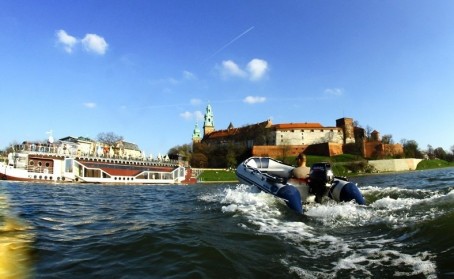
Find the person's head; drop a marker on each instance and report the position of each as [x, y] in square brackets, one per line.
[301, 159]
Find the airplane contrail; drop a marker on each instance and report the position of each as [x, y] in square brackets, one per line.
[231, 42]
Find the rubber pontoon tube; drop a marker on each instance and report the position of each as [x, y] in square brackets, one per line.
[292, 198]
[344, 191]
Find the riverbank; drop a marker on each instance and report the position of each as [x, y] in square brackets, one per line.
[217, 176]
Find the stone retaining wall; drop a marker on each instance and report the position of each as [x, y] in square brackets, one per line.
[395, 164]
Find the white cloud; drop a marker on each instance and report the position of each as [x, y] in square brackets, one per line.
[91, 42]
[334, 91]
[230, 68]
[257, 68]
[94, 43]
[66, 40]
[196, 115]
[254, 99]
[90, 105]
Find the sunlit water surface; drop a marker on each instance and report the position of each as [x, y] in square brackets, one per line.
[227, 231]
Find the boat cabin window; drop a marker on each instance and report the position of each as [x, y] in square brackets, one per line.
[69, 165]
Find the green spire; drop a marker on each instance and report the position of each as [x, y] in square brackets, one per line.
[196, 134]
[209, 121]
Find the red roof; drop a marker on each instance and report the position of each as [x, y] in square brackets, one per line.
[298, 126]
[222, 133]
[234, 131]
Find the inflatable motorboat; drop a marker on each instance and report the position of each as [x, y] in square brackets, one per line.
[275, 177]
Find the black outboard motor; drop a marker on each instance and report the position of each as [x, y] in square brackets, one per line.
[320, 179]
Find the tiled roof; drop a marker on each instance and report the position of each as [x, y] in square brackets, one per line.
[222, 133]
[234, 131]
[69, 138]
[130, 146]
[298, 126]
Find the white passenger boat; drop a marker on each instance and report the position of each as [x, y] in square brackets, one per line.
[50, 164]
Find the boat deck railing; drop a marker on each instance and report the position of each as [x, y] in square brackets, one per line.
[66, 152]
[40, 169]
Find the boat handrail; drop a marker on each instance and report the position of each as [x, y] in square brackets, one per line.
[58, 151]
[272, 169]
[40, 169]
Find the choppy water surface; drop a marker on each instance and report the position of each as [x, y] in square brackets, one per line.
[227, 231]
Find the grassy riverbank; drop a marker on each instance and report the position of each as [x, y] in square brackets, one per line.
[434, 164]
[220, 175]
[342, 165]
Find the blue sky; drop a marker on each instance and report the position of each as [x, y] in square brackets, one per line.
[146, 70]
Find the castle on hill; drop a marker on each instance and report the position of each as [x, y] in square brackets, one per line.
[289, 139]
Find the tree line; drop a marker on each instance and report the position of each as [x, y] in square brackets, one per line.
[412, 150]
[201, 155]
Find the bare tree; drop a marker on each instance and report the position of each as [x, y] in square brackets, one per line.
[109, 138]
[369, 130]
[387, 139]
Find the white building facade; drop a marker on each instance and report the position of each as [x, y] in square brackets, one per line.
[306, 134]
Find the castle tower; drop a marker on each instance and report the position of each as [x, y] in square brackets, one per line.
[208, 124]
[196, 136]
[375, 136]
[347, 127]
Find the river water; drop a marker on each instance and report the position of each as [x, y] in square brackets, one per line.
[227, 231]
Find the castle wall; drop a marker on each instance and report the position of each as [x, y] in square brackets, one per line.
[325, 149]
[395, 164]
[277, 151]
[308, 136]
[376, 149]
[321, 149]
[394, 149]
[372, 149]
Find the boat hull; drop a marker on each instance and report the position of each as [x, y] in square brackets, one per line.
[272, 176]
[251, 172]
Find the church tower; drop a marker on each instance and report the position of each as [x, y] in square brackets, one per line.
[208, 124]
[196, 136]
